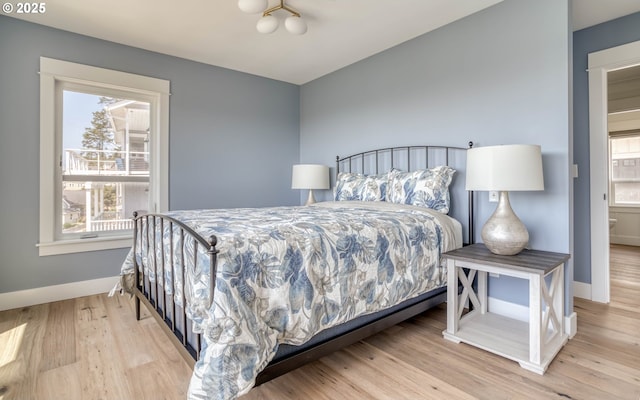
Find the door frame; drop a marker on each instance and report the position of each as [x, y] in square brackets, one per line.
[600, 64]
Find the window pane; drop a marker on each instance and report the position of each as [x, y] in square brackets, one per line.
[627, 193]
[102, 206]
[104, 162]
[625, 169]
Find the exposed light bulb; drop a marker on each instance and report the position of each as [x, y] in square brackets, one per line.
[267, 24]
[295, 25]
[252, 6]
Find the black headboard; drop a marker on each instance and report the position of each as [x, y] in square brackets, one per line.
[411, 158]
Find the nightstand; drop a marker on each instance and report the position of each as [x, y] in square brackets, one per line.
[532, 344]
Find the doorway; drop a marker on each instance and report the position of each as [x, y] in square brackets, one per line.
[601, 63]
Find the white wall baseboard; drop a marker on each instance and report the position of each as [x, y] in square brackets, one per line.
[626, 240]
[521, 313]
[511, 310]
[571, 325]
[582, 290]
[47, 294]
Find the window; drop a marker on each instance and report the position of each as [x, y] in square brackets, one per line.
[624, 170]
[103, 155]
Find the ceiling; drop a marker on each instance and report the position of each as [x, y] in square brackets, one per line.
[340, 32]
[624, 74]
[586, 13]
[623, 92]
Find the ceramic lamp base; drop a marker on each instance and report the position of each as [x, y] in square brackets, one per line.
[311, 199]
[504, 233]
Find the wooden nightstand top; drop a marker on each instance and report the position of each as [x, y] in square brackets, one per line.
[541, 262]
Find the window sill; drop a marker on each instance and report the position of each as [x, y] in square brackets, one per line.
[83, 245]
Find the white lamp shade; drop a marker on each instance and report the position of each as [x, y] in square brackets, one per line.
[310, 176]
[295, 25]
[252, 6]
[267, 24]
[505, 168]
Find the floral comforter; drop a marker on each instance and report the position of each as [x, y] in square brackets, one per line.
[286, 273]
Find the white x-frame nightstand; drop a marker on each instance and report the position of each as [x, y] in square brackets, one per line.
[532, 344]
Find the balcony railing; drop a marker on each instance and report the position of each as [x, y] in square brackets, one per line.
[105, 162]
[111, 225]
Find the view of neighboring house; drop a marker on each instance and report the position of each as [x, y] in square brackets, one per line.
[103, 187]
[625, 169]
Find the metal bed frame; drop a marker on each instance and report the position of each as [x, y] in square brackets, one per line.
[174, 322]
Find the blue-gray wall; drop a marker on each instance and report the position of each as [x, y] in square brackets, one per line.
[233, 139]
[500, 76]
[610, 34]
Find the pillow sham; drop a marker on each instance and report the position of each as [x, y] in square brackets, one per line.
[425, 188]
[355, 186]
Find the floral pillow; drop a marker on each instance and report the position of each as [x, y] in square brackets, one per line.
[354, 186]
[426, 188]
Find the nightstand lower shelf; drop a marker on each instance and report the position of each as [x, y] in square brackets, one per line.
[506, 337]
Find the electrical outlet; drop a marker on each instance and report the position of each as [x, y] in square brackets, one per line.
[493, 196]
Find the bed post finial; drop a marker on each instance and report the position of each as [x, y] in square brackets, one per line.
[135, 214]
[470, 144]
[213, 263]
[213, 241]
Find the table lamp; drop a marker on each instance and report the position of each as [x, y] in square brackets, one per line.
[503, 169]
[310, 176]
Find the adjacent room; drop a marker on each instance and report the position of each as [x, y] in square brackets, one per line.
[288, 199]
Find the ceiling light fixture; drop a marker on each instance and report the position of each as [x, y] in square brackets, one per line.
[268, 23]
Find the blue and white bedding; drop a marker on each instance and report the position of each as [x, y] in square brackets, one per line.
[286, 273]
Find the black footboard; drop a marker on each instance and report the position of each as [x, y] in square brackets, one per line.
[151, 289]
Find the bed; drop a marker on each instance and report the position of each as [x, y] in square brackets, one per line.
[250, 294]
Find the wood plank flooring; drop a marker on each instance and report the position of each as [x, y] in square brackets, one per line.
[93, 348]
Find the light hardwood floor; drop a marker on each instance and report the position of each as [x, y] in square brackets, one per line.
[93, 348]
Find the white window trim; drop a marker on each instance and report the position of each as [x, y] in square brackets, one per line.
[54, 71]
